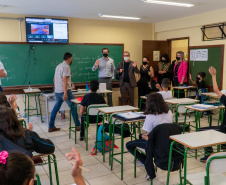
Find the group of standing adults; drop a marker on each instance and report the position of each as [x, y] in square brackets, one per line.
[125, 71]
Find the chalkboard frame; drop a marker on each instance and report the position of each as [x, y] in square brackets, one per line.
[19, 89]
[222, 60]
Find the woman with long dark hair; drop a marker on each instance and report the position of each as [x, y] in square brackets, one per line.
[163, 68]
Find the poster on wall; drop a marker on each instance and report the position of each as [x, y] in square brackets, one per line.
[204, 54]
[199, 55]
[156, 55]
[192, 55]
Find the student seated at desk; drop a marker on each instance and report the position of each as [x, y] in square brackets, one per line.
[11, 128]
[164, 88]
[158, 113]
[199, 82]
[89, 99]
[221, 128]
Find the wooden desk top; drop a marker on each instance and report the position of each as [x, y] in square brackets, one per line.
[20, 119]
[201, 139]
[203, 110]
[176, 101]
[110, 110]
[184, 87]
[210, 94]
[29, 91]
[75, 101]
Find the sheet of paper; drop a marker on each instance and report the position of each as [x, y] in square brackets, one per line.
[198, 55]
[204, 55]
[129, 115]
[192, 55]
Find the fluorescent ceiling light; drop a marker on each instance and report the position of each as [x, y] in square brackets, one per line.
[118, 17]
[168, 3]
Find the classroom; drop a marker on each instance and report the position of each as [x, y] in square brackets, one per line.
[142, 30]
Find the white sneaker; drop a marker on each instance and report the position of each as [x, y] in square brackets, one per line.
[147, 177]
[139, 163]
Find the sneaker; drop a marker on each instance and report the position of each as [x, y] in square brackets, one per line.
[147, 177]
[78, 128]
[53, 129]
[204, 158]
[139, 163]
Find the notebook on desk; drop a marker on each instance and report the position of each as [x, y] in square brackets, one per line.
[127, 116]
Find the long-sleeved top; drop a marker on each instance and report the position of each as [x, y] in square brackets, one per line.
[131, 74]
[182, 71]
[106, 68]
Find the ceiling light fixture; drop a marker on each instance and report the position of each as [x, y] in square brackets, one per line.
[118, 17]
[168, 3]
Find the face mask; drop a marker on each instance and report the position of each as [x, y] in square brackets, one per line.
[178, 58]
[105, 55]
[163, 61]
[126, 58]
[197, 78]
[144, 63]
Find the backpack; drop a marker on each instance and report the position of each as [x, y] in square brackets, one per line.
[99, 141]
[9, 146]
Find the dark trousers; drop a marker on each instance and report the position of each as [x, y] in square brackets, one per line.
[141, 143]
[1, 90]
[108, 82]
[142, 91]
[126, 87]
[181, 91]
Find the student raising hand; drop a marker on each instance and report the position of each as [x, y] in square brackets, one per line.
[76, 171]
[212, 71]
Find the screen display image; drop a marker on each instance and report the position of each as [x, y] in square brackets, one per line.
[46, 30]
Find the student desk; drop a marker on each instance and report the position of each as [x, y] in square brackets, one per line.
[112, 154]
[106, 111]
[50, 101]
[142, 98]
[175, 101]
[210, 94]
[194, 141]
[179, 88]
[73, 129]
[198, 111]
[27, 109]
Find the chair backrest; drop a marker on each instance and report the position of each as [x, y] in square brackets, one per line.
[181, 107]
[216, 163]
[92, 109]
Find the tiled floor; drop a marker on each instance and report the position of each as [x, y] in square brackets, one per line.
[100, 173]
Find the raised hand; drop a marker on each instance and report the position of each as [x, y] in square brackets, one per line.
[134, 64]
[97, 63]
[212, 71]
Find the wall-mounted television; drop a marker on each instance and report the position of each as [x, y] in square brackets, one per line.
[46, 30]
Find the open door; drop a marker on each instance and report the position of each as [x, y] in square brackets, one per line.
[150, 46]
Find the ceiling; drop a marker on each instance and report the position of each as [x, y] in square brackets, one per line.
[89, 9]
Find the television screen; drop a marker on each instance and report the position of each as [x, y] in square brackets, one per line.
[46, 30]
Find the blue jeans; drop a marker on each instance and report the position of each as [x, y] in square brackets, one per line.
[58, 103]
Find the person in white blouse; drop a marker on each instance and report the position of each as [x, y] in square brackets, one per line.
[3, 74]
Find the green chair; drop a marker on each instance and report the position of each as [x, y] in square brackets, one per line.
[38, 179]
[51, 158]
[215, 167]
[91, 111]
[183, 119]
[135, 160]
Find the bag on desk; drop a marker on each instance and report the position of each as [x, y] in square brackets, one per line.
[99, 141]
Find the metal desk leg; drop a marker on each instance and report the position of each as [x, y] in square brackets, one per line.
[47, 111]
[122, 150]
[28, 97]
[185, 165]
[169, 163]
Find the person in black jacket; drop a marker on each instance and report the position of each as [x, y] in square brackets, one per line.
[11, 128]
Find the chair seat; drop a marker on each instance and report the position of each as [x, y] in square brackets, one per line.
[198, 178]
[181, 119]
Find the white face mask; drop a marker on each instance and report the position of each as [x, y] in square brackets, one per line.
[126, 58]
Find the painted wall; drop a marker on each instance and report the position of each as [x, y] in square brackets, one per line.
[190, 27]
[90, 31]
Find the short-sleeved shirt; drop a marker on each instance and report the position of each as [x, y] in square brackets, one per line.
[223, 125]
[92, 98]
[2, 67]
[166, 94]
[62, 70]
[152, 120]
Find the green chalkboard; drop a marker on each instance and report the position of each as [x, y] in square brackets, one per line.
[215, 59]
[36, 63]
